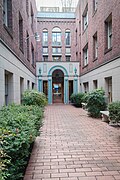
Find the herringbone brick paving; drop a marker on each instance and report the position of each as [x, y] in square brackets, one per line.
[73, 146]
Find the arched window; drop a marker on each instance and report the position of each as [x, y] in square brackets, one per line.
[56, 36]
[45, 37]
[67, 37]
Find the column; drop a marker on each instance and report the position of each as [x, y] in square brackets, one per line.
[49, 90]
[40, 85]
[66, 94]
[75, 89]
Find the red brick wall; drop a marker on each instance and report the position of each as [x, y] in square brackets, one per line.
[12, 38]
[96, 23]
[63, 24]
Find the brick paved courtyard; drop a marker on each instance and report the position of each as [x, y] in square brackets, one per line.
[73, 146]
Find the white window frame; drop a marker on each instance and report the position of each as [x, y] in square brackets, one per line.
[85, 18]
[95, 46]
[109, 33]
[45, 38]
[95, 5]
[85, 56]
[5, 12]
[67, 38]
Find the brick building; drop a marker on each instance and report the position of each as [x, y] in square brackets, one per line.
[58, 66]
[17, 49]
[98, 46]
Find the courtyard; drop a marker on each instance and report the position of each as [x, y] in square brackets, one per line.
[73, 146]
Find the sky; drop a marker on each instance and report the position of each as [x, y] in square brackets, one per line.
[52, 3]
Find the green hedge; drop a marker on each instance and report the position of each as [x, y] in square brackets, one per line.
[96, 102]
[19, 127]
[76, 99]
[33, 97]
[114, 111]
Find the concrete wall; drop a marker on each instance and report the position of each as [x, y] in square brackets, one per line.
[111, 69]
[11, 64]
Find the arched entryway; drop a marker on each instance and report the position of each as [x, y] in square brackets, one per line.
[58, 86]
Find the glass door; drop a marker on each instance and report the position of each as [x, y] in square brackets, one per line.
[57, 93]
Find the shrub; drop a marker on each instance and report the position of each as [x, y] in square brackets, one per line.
[33, 97]
[76, 99]
[96, 103]
[85, 98]
[114, 111]
[19, 127]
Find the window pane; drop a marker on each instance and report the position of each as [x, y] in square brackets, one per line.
[67, 37]
[45, 38]
[45, 58]
[56, 38]
[56, 58]
[68, 58]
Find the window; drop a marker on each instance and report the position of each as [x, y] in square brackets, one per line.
[56, 37]
[45, 50]
[95, 84]
[32, 17]
[85, 55]
[7, 13]
[56, 50]
[27, 6]
[20, 32]
[6, 89]
[27, 41]
[108, 88]
[33, 85]
[108, 30]
[56, 58]
[86, 87]
[9, 88]
[28, 84]
[95, 4]
[85, 18]
[33, 55]
[45, 37]
[67, 50]
[45, 58]
[68, 58]
[21, 88]
[76, 36]
[67, 37]
[95, 47]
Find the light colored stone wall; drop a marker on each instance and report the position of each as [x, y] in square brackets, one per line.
[111, 69]
[10, 63]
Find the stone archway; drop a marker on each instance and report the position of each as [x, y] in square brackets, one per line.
[65, 91]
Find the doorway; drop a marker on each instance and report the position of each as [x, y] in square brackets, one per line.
[58, 86]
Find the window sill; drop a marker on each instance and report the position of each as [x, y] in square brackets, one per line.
[33, 65]
[95, 59]
[68, 45]
[21, 49]
[85, 30]
[56, 45]
[45, 45]
[85, 66]
[94, 12]
[107, 50]
[9, 31]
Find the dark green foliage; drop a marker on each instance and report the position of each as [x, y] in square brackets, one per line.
[96, 103]
[33, 97]
[85, 97]
[19, 127]
[114, 111]
[76, 99]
